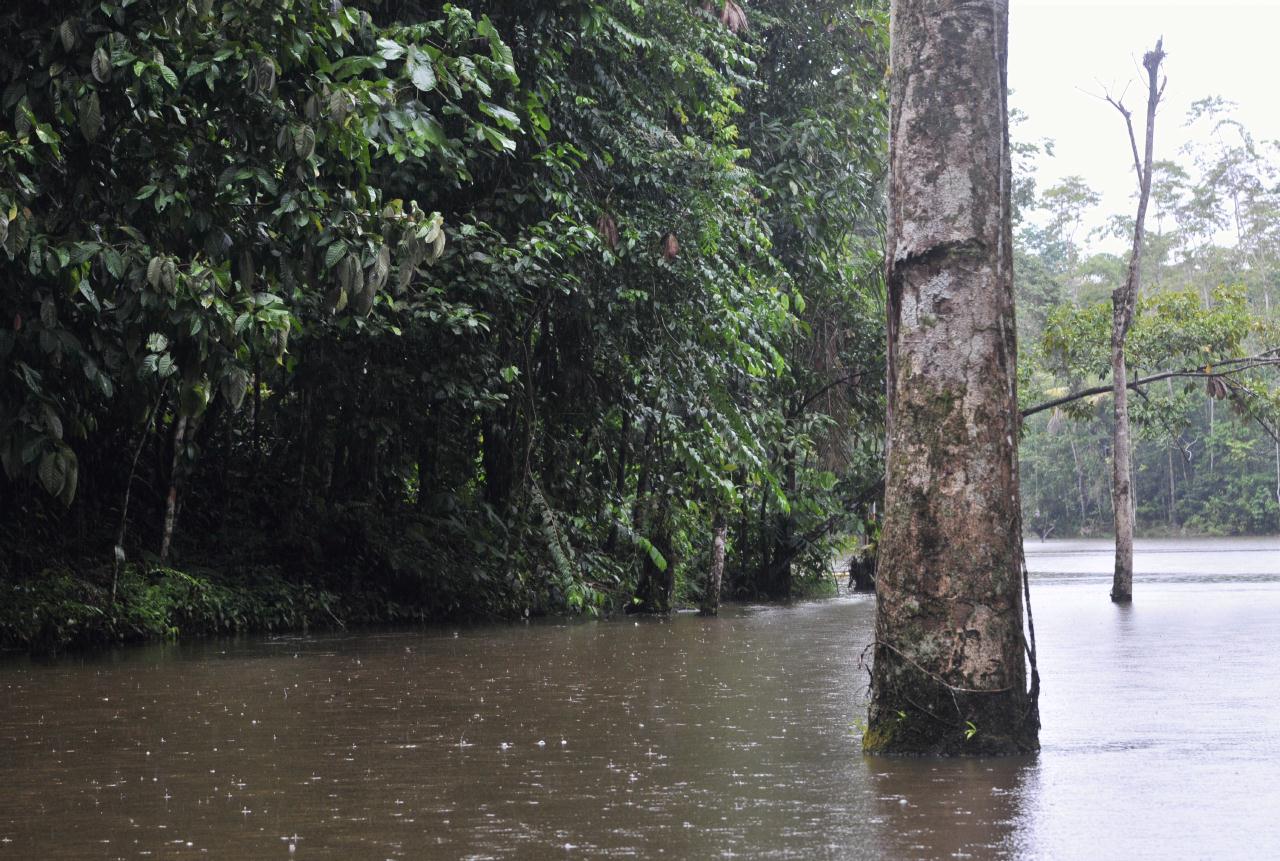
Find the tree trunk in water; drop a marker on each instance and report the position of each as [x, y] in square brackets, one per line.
[171, 500]
[949, 676]
[1122, 504]
[1124, 300]
[715, 576]
[862, 571]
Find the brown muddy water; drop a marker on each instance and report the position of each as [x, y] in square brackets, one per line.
[686, 738]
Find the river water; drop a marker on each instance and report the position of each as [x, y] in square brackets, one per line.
[685, 738]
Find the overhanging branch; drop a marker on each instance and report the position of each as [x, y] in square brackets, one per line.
[1230, 367]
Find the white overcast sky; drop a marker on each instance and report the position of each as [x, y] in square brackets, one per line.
[1062, 55]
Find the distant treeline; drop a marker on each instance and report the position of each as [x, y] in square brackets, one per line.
[1206, 453]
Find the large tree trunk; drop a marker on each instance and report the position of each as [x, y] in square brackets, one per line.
[1124, 301]
[949, 676]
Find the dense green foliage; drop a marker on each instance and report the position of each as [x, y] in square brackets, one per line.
[483, 309]
[1206, 456]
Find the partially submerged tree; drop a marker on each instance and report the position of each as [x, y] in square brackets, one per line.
[949, 675]
[1123, 303]
[1201, 333]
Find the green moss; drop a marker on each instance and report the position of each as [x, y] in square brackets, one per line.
[879, 737]
[57, 609]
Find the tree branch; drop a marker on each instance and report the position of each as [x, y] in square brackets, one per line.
[1271, 358]
[1133, 140]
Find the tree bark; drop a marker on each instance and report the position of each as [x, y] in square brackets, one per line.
[171, 499]
[949, 675]
[118, 553]
[1123, 302]
[715, 575]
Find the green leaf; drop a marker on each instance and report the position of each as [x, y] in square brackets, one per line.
[334, 253]
[496, 139]
[389, 49]
[501, 115]
[113, 262]
[421, 72]
[170, 77]
[87, 292]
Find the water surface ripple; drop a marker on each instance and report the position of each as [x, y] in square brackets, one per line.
[686, 738]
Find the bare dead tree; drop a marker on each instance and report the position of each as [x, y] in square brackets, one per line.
[1124, 301]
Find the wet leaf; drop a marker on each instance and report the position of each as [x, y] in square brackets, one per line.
[304, 142]
[90, 117]
[421, 72]
[100, 65]
[154, 272]
[52, 473]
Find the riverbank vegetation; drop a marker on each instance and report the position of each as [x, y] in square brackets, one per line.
[323, 313]
[387, 310]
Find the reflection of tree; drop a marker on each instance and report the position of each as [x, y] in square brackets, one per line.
[945, 809]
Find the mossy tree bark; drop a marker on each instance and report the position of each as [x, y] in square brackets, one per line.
[715, 575]
[949, 676]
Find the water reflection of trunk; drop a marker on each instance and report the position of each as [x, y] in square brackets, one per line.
[949, 809]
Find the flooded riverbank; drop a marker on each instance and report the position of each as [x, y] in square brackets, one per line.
[685, 738]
